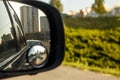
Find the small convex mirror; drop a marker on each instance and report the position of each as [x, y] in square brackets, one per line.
[37, 56]
[35, 26]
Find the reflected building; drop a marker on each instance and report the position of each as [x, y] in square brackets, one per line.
[44, 24]
[29, 19]
[45, 28]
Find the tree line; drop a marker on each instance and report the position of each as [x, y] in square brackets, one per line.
[97, 6]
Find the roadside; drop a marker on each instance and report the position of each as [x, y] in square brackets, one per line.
[67, 73]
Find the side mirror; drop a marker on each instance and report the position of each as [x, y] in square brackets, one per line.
[37, 51]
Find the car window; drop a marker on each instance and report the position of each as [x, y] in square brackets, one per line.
[7, 36]
[18, 28]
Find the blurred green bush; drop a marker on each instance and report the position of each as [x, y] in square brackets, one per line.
[95, 47]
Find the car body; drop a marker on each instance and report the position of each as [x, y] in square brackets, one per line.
[33, 42]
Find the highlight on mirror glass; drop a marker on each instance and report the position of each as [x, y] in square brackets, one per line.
[36, 30]
[37, 56]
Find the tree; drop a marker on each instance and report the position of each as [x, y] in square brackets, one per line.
[98, 7]
[57, 4]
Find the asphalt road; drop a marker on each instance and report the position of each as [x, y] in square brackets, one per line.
[67, 73]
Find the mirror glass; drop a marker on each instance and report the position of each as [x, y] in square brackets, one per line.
[37, 56]
[35, 26]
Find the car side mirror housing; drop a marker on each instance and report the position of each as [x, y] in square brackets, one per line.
[37, 54]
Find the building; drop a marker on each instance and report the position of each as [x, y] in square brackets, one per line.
[93, 14]
[44, 24]
[29, 19]
[73, 13]
[116, 11]
[45, 28]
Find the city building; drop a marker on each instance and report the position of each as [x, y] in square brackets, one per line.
[45, 28]
[29, 19]
[44, 24]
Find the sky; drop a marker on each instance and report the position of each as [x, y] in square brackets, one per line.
[76, 5]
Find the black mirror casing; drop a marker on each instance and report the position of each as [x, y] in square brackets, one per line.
[57, 40]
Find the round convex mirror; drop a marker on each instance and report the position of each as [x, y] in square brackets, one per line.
[37, 56]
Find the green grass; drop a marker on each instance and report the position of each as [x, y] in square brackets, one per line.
[94, 48]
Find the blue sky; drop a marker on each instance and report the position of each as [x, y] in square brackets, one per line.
[81, 4]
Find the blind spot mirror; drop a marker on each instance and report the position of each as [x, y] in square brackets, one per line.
[37, 56]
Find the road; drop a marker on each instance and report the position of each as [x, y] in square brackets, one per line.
[67, 73]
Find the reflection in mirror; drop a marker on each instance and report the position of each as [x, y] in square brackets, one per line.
[35, 26]
[36, 30]
[7, 38]
[37, 56]
[34, 21]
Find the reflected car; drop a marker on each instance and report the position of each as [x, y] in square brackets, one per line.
[31, 43]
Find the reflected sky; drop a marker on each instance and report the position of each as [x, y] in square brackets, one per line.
[16, 6]
[5, 21]
[36, 49]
